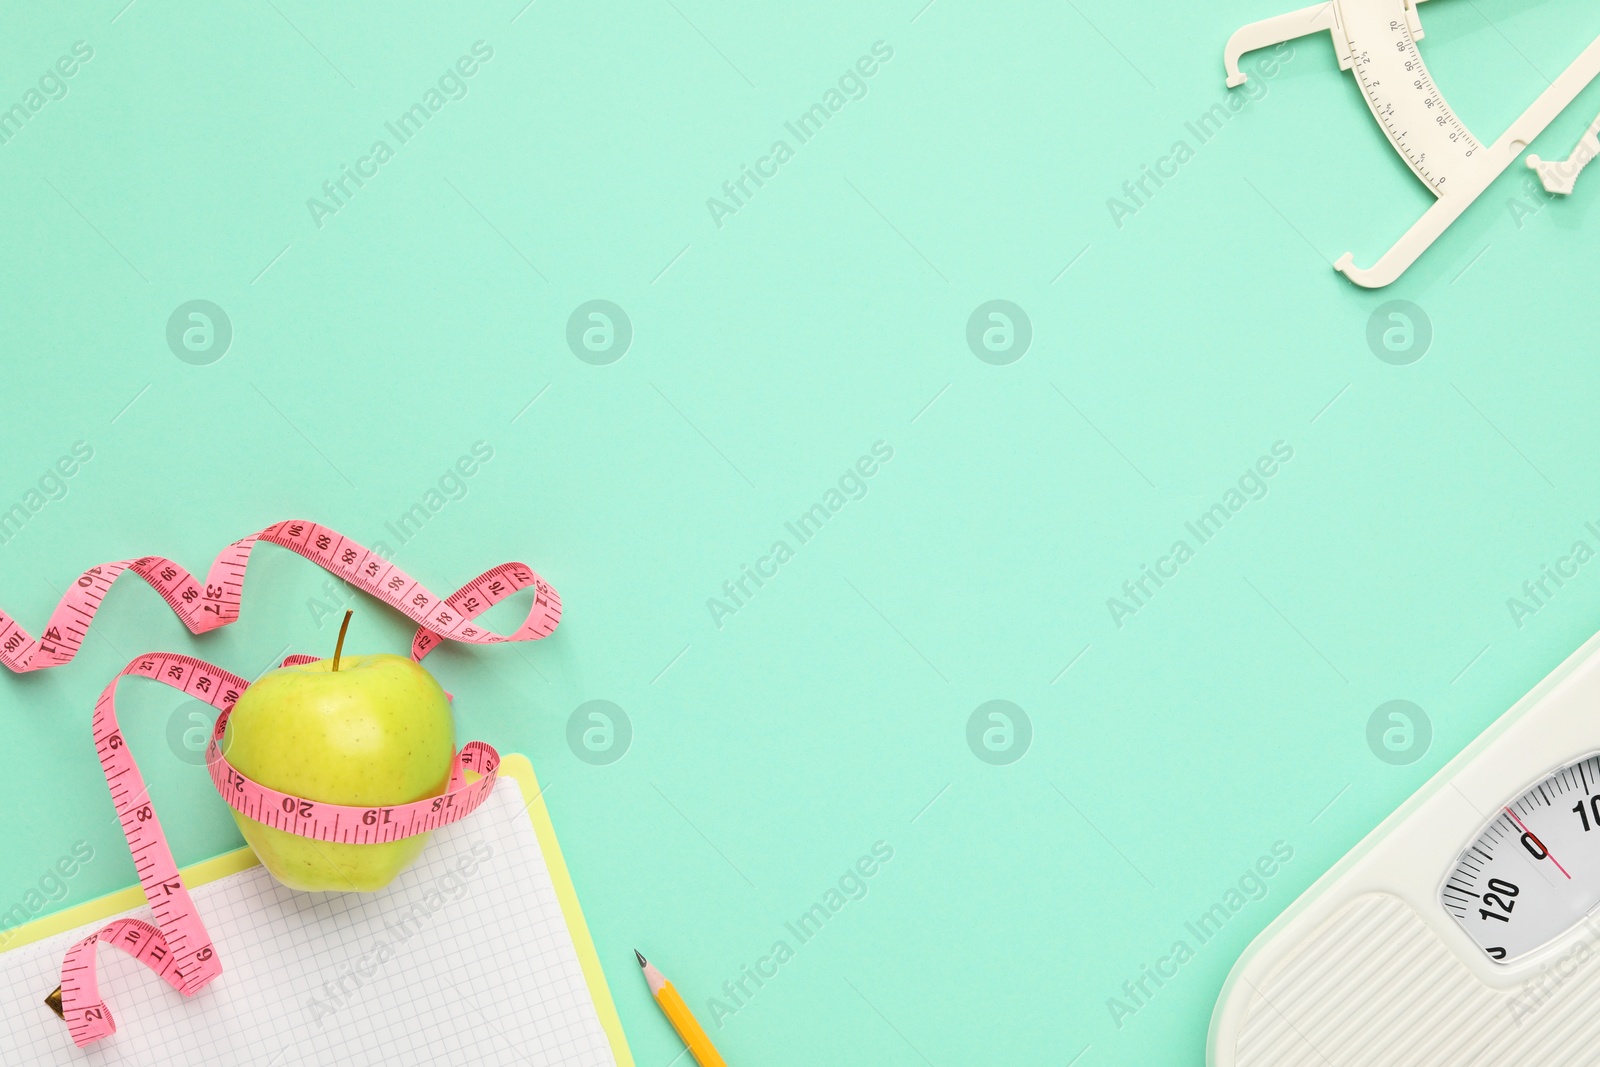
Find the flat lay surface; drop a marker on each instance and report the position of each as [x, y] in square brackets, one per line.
[991, 535]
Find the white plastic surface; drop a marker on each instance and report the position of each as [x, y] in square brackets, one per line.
[1561, 176]
[1376, 40]
[1366, 968]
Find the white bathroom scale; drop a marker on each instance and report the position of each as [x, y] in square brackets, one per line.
[1462, 932]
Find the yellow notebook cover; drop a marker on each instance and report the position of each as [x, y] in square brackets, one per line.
[514, 766]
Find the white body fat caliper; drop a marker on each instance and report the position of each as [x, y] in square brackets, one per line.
[1464, 931]
[1377, 39]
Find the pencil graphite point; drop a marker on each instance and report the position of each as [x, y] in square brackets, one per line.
[678, 1014]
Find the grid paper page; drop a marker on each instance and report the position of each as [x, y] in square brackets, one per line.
[465, 958]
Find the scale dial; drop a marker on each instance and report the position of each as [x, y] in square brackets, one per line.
[1534, 871]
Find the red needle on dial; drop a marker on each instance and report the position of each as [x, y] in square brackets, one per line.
[1536, 841]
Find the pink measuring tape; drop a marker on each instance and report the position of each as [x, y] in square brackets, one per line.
[177, 948]
[207, 605]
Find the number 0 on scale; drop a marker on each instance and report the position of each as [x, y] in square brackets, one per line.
[1464, 930]
[1534, 871]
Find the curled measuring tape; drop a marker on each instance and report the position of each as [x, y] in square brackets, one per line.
[177, 948]
[206, 605]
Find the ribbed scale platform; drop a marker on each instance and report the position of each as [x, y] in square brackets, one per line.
[1365, 989]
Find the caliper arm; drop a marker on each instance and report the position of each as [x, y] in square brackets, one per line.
[1281, 28]
[1561, 177]
[1276, 30]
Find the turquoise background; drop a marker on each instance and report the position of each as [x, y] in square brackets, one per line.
[768, 354]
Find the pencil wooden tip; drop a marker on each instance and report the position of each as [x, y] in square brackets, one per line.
[640, 956]
[54, 1000]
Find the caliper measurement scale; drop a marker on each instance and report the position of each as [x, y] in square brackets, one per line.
[1465, 930]
[1377, 41]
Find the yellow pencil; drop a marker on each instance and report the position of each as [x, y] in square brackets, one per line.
[678, 1014]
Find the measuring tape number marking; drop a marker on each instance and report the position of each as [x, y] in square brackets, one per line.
[176, 947]
[206, 605]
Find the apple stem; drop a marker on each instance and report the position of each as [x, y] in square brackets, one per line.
[339, 645]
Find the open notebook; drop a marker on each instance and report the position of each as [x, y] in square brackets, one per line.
[477, 954]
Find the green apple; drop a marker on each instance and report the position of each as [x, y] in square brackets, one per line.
[367, 731]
